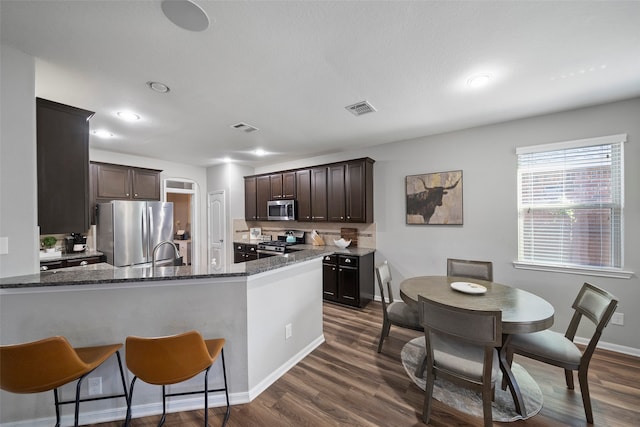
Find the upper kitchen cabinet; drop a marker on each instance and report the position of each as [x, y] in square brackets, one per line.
[303, 190]
[350, 191]
[257, 192]
[319, 194]
[359, 190]
[263, 195]
[283, 186]
[250, 194]
[336, 192]
[119, 182]
[63, 167]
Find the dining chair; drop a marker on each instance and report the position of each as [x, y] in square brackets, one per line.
[461, 348]
[556, 349]
[396, 313]
[174, 359]
[482, 270]
[50, 363]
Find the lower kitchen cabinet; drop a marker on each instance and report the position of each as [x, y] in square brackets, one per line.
[243, 252]
[348, 279]
[75, 262]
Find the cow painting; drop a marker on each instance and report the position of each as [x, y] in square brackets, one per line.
[434, 198]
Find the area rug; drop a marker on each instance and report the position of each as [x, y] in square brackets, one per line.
[468, 401]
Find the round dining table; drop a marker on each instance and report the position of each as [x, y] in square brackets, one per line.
[522, 311]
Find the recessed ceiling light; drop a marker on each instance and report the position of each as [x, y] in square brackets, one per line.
[158, 87]
[185, 14]
[479, 80]
[259, 152]
[227, 160]
[128, 116]
[102, 133]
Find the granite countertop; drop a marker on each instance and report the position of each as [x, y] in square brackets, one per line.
[103, 273]
[326, 248]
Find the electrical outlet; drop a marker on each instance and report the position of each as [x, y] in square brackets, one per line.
[617, 319]
[287, 331]
[95, 386]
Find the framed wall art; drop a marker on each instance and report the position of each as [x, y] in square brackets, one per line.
[434, 198]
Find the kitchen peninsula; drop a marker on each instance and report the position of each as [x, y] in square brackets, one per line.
[269, 311]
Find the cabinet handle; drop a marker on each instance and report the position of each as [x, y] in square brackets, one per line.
[84, 263]
[135, 195]
[127, 194]
[347, 261]
[44, 268]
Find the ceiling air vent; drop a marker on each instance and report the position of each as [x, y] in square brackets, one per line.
[245, 127]
[360, 108]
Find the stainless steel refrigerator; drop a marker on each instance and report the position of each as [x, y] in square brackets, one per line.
[128, 231]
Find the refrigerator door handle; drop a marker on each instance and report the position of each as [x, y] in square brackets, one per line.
[145, 234]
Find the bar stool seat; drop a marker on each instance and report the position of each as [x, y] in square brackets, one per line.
[50, 363]
[173, 359]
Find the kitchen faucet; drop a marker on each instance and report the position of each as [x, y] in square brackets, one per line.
[175, 249]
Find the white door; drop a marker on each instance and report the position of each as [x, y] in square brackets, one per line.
[216, 239]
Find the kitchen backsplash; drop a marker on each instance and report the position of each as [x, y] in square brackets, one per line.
[90, 234]
[330, 231]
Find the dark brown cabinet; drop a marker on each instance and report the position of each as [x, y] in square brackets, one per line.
[63, 167]
[283, 186]
[263, 195]
[303, 191]
[250, 198]
[348, 279]
[119, 182]
[359, 191]
[337, 192]
[319, 194]
[243, 252]
[75, 262]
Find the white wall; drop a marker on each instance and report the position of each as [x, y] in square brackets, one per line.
[18, 179]
[486, 155]
[169, 170]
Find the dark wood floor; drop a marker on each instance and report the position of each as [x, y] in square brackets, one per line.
[345, 382]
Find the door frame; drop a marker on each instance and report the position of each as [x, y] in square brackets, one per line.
[195, 211]
[225, 242]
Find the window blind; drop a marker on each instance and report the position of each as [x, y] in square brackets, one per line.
[570, 203]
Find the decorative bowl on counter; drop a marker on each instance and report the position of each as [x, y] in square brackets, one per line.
[342, 243]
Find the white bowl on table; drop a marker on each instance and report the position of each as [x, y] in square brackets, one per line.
[342, 243]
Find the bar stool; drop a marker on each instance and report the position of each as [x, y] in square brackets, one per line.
[48, 364]
[173, 359]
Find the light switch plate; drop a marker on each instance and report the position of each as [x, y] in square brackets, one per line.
[4, 245]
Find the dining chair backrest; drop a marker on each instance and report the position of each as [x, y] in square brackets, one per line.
[482, 270]
[478, 327]
[460, 347]
[598, 306]
[384, 280]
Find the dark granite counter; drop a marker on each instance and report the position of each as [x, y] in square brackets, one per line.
[72, 256]
[104, 273]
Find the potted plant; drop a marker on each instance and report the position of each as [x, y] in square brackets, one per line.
[49, 243]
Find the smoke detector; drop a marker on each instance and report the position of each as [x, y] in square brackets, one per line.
[360, 108]
[245, 127]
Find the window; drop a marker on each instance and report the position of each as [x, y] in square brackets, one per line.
[570, 204]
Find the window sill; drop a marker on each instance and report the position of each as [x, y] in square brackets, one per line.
[602, 272]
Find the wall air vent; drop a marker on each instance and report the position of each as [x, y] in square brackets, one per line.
[360, 108]
[245, 127]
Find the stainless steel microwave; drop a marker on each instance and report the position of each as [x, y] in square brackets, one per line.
[281, 210]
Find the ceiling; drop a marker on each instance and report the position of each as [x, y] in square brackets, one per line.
[289, 68]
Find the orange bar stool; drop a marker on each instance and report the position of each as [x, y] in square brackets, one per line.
[50, 363]
[173, 359]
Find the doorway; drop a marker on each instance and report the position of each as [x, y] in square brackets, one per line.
[183, 193]
[217, 227]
